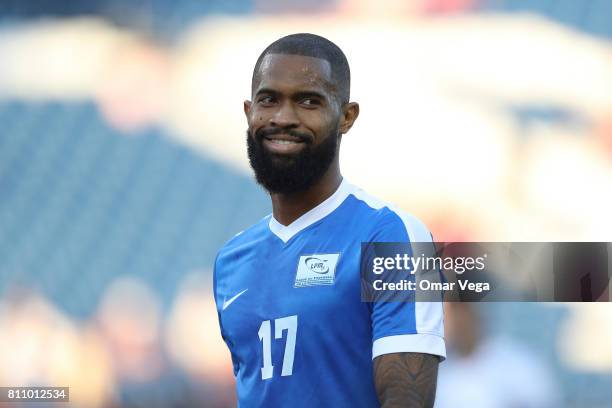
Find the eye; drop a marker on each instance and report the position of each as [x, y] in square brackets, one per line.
[265, 100]
[310, 102]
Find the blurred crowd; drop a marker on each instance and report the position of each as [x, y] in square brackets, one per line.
[128, 353]
[485, 122]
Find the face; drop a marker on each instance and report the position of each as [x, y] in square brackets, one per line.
[294, 122]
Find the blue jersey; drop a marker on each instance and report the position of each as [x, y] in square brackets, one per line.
[290, 309]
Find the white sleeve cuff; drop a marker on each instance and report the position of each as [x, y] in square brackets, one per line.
[410, 343]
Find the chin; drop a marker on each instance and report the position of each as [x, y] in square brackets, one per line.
[282, 159]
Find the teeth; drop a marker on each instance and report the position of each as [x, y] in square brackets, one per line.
[283, 142]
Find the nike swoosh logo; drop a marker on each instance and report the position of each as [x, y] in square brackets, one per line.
[228, 302]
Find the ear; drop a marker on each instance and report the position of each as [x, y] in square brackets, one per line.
[350, 111]
[247, 108]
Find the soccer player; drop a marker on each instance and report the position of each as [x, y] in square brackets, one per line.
[288, 288]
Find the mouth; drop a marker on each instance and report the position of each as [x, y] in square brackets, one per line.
[283, 143]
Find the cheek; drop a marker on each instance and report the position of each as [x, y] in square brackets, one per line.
[329, 124]
[321, 122]
[257, 118]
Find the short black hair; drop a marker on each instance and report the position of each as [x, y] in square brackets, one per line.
[312, 45]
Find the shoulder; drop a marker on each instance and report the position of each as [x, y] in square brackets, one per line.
[245, 239]
[234, 253]
[388, 219]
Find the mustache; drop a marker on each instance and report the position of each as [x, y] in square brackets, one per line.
[267, 132]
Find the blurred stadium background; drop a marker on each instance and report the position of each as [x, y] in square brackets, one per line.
[123, 170]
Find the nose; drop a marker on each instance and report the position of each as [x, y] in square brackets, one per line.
[285, 117]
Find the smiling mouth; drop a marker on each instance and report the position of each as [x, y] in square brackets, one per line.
[283, 141]
[283, 144]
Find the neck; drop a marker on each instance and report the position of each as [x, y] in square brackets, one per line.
[287, 208]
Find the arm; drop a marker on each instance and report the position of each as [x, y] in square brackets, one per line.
[406, 379]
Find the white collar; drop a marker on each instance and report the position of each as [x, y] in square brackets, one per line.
[285, 232]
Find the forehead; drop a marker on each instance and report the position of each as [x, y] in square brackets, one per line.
[294, 71]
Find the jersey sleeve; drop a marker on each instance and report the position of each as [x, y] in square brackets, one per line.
[415, 326]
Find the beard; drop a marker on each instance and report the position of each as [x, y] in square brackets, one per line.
[287, 174]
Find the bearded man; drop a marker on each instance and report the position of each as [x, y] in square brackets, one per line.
[288, 288]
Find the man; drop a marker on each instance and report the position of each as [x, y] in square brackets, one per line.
[288, 288]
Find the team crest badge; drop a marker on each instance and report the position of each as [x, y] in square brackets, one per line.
[316, 269]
